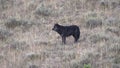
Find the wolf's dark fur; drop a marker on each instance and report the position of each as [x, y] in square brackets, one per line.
[66, 31]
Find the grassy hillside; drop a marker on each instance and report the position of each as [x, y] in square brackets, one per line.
[27, 39]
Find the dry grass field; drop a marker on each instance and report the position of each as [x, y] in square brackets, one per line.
[27, 39]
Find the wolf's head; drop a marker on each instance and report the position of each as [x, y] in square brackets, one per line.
[56, 27]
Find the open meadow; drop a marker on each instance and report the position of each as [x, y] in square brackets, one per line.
[28, 41]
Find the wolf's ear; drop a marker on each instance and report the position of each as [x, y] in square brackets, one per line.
[56, 24]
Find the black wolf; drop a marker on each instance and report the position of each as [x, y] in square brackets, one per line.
[66, 31]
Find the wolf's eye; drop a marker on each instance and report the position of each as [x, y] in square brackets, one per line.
[55, 28]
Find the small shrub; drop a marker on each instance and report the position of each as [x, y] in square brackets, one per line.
[1, 57]
[42, 10]
[112, 21]
[69, 56]
[93, 23]
[18, 45]
[12, 23]
[104, 4]
[23, 24]
[76, 64]
[80, 64]
[116, 31]
[114, 4]
[32, 56]
[33, 66]
[98, 38]
[117, 60]
[115, 66]
[87, 66]
[4, 34]
[4, 4]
